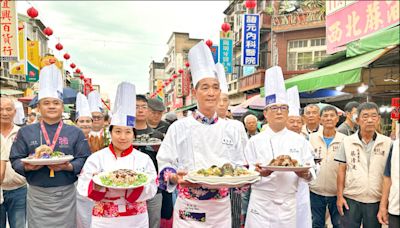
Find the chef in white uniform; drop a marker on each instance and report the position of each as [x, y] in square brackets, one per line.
[199, 141]
[119, 208]
[303, 192]
[96, 109]
[84, 205]
[273, 199]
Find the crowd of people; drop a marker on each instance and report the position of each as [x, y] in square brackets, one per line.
[353, 180]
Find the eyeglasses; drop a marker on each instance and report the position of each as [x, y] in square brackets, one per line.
[283, 108]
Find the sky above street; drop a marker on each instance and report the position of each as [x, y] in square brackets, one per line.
[115, 41]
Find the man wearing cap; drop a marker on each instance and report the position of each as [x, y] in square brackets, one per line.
[51, 194]
[83, 120]
[198, 141]
[142, 128]
[273, 198]
[156, 110]
[13, 185]
[293, 123]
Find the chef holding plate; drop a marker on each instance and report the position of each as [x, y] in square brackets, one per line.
[273, 199]
[119, 178]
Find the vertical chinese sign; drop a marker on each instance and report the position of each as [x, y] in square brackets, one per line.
[33, 61]
[186, 83]
[250, 39]
[86, 86]
[357, 20]
[160, 95]
[226, 52]
[214, 52]
[20, 67]
[9, 38]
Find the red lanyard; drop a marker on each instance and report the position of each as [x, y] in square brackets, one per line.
[46, 136]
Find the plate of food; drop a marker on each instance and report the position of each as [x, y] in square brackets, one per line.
[222, 184]
[285, 163]
[146, 140]
[44, 155]
[225, 174]
[121, 179]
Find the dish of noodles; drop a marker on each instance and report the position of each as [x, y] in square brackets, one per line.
[121, 179]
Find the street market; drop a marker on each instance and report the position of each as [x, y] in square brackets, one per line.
[280, 114]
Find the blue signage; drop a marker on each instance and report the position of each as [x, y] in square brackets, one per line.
[250, 39]
[226, 52]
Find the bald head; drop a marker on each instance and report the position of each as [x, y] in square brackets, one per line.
[7, 111]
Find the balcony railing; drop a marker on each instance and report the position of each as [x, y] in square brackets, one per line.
[252, 81]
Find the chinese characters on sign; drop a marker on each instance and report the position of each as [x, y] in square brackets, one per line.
[359, 20]
[250, 39]
[9, 39]
[226, 44]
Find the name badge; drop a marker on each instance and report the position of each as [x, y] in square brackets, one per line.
[227, 141]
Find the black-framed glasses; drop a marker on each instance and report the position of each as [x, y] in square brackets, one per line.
[283, 108]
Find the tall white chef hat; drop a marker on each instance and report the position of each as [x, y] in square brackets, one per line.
[223, 84]
[82, 106]
[94, 100]
[294, 101]
[124, 112]
[19, 117]
[50, 83]
[275, 92]
[201, 63]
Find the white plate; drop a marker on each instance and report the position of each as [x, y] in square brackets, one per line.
[48, 161]
[146, 143]
[217, 185]
[97, 180]
[226, 179]
[284, 168]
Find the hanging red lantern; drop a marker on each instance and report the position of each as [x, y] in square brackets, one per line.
[77, 70]
[67, 56]
[226, 27]
[250, 4]
[32, 73]
[72, 65]
[48, 31]
[187, 64]
[59, 46]
[81, 77]
[174, 76]
[209, 43]
[32, 12]
[180, 71]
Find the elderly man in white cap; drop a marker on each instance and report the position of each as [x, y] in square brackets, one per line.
[293, 123]
[14, 185]
[55, 182]
[122, 208]
[199, 141]
[273, 198]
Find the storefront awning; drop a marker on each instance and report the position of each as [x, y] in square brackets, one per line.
[343, 73]
[10, 92]
[382, 39]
